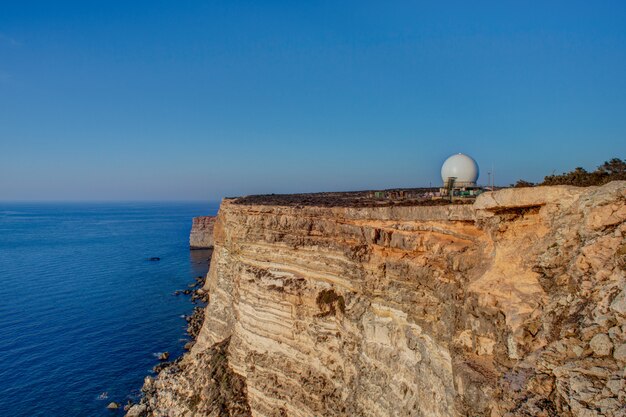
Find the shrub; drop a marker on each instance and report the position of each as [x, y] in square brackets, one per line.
[612, 170]
[329, 300]
[522, 184]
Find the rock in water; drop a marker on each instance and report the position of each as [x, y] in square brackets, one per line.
[113, 405]
[164, 356]
[161, 366]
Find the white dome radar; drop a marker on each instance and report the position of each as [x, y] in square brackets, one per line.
[462, 168]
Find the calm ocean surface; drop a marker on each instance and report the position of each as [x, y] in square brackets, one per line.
[82, 310]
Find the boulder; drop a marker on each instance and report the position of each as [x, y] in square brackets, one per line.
[619, 303]
[601, 345]
[620, 353]
[137, 410]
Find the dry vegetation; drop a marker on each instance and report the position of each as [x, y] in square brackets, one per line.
[612, 170]
[348, 199]
[328, 301]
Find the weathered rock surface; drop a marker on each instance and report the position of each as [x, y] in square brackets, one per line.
[511, 307]
[201, 236]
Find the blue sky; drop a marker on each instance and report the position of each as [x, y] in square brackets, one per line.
[190, 100]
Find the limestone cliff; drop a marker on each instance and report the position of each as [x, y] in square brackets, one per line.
[201, 236]
[513, 306]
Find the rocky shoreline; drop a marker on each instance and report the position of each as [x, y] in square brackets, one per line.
[199, 297]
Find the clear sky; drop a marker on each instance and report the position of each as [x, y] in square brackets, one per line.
[191, 100]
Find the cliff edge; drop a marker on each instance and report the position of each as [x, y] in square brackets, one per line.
[201, 236]
[512, 306]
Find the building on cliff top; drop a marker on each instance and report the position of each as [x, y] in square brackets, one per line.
[459, 174]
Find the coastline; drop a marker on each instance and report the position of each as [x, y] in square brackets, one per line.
[315, 309]
[199, 298]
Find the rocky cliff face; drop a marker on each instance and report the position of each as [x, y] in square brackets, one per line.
[513, 306]
[201, 236]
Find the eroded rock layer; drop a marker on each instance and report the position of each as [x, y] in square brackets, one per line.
[513, 306]
[201, 236]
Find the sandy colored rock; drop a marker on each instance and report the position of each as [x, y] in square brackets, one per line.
[620, 353]
[201, 236]
[137, 410]
[503, 308]
[619, 304]
[601, 345]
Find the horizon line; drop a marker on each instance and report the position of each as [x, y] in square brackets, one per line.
[72, 201]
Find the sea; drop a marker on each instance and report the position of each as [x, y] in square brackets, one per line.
[84, 313]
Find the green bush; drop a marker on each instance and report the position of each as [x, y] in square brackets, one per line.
[612, 170]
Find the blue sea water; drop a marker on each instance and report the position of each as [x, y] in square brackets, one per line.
[82, 310]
